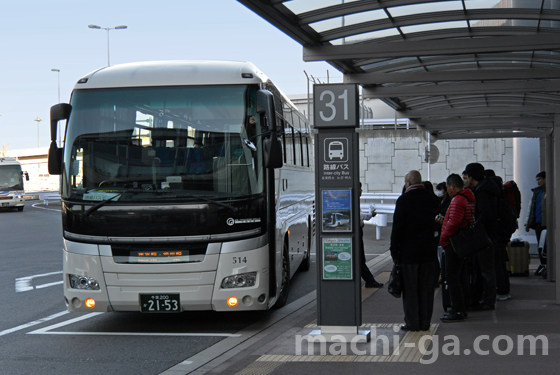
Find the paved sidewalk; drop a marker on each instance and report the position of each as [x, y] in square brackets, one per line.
[497, 341]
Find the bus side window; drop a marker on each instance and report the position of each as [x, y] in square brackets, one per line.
[305, 151]
[297, 148]
[289, 144]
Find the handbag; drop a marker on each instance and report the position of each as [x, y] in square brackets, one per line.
[394, 286]
[470, 240]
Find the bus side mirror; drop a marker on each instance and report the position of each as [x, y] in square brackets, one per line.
[273, 152]
[26, 175]
[58, 112]
[265, 106]
[272, 146]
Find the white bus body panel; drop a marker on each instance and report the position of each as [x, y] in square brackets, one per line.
[199, 284]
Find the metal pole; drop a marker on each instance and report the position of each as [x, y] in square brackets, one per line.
[429, 155]
[108, 62]
[58, 78]
[308, 99]
[38, 140]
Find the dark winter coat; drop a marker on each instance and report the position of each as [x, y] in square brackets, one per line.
[531, 219]
[412, 236]
[486, 195]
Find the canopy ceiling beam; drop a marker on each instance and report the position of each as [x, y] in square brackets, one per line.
[438, 17]
[482, 125]
[369, 50]
[458, 75]
[480, 111]
[439, 124]
[283, 19]
[354, 7]
[462, 89]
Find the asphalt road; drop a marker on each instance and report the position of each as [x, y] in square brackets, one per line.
[38, 336]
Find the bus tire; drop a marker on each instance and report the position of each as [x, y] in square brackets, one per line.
[285, 286]
[20, 208]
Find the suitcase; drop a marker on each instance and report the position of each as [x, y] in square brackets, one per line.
[445, 298]
[518, 255]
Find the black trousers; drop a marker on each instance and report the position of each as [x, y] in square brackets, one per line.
[502, 274]
[364, 270]
[418, 294]
[457, 276]
[484, 287]
[538, 230]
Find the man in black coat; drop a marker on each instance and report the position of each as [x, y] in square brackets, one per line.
[413, 247]
[486, 194]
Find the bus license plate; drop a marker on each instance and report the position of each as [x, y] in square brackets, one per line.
[160, 303]
[5, 204]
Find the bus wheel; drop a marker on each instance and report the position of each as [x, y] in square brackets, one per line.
[285, 287]
[20, 208]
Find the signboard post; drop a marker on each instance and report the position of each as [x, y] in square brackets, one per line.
[337, 184]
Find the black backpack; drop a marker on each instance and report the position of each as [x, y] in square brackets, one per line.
[507, 219]
[513, 196]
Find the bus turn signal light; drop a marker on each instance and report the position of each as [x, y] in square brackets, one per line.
[232, 301]
[90, 303]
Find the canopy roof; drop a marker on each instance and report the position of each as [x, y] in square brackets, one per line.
[458, 68]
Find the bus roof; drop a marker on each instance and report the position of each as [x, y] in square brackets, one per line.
[172, 73]
[5, 160]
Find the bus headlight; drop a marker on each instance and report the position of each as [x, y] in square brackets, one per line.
[83, 282]
[241, 280]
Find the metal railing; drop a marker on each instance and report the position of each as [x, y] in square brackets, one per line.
[378, 202]
[45, 197]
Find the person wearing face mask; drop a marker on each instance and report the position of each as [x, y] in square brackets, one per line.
[444, 196]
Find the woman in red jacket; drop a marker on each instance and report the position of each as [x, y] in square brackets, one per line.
[459, 214]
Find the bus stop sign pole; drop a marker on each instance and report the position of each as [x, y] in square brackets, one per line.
[337, 192]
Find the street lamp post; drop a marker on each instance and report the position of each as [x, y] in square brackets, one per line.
[58, 74]
[108, 28]
[38, 141]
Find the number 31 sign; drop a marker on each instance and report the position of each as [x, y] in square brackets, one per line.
[335, 105]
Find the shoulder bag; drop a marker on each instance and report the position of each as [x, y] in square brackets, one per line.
[471, 239]
[394, 286]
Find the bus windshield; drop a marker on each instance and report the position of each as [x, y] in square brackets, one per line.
[163, 143]
[10, 177]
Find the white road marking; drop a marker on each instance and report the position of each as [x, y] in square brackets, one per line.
[48, 284]
[31, 324]
[49, 330]
[24, 284]
[43, 208]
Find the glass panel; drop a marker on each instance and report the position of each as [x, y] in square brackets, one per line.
[154, 144]
[302, 6]
[386, 64]
[366, 36]
[297, 148]
[487, 4]
[348, 20]
[434, 26]
[407, 10]
[289, 156]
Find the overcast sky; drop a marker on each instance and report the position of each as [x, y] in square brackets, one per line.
[37, 36]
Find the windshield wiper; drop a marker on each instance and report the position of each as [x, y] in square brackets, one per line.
[225, 205]
[97, 206]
